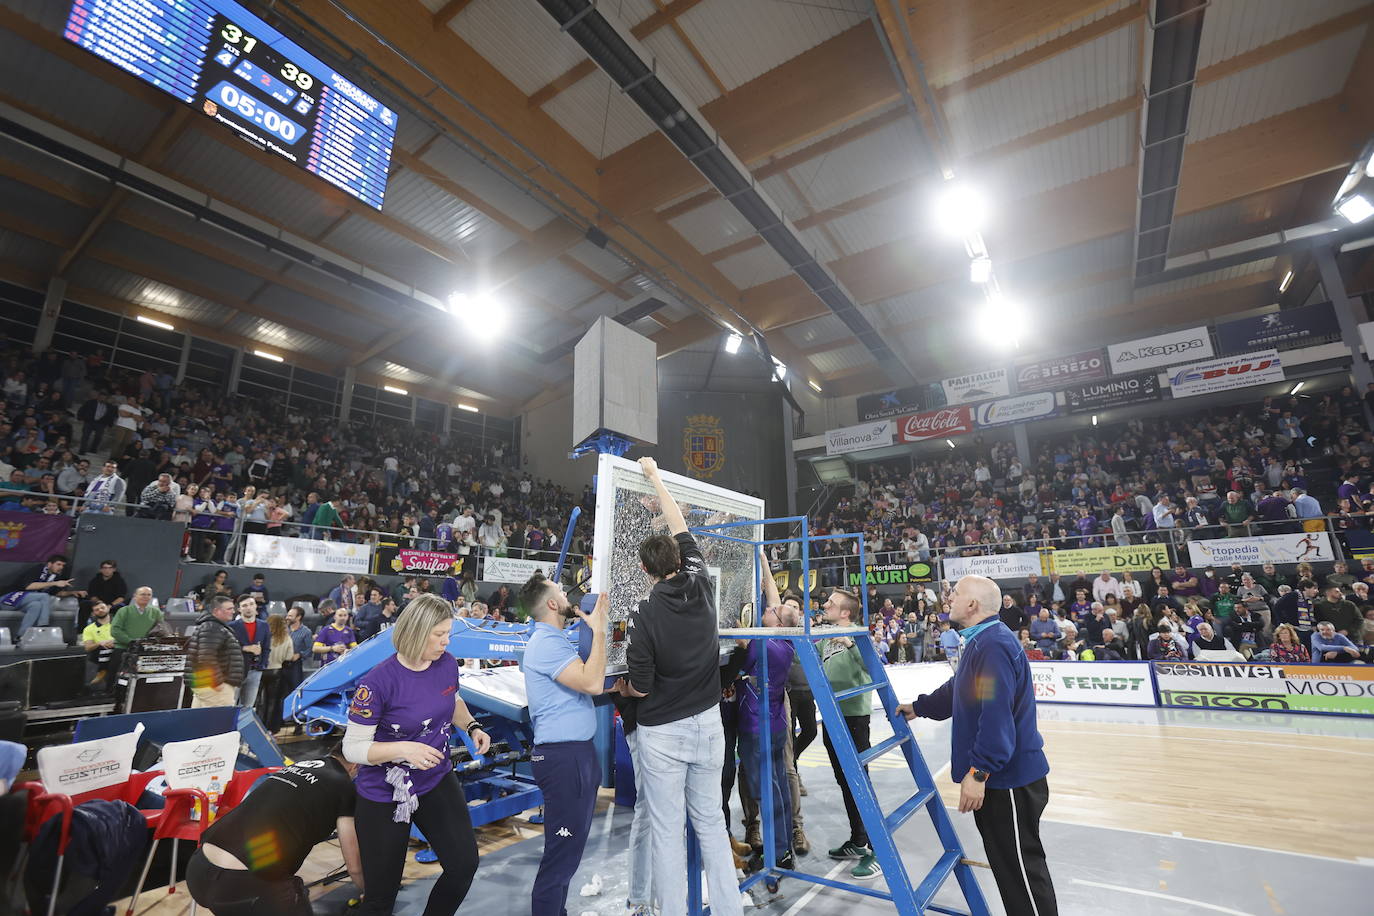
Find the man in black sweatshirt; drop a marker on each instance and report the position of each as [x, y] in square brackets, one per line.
[674, 666]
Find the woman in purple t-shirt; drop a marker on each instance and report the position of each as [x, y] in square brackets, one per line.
[399, 724]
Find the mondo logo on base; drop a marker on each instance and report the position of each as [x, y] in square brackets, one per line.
[934, 424]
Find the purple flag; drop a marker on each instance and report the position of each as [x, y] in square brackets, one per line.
[31, 537]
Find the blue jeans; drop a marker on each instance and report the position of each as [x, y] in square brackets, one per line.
[751, 753]
[682, 762]
[641, 864]
[36, 608]
[248, 691]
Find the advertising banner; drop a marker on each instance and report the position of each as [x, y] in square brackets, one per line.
[427, 562]
[861, 437]
[893, 574]
[1301, 547]
[1160, 350]
[1226, 373]
[301, 553]
[892, 403]
[998, 566]
[1100, 683]
[515, 572]
[1051, 373]
[1132, 389]
[1016, 410]
[31, 537]
[976, 386]
[1347, 689]
[193, 764]
[85, 766]
[1302, 326]
[935, 424]
[1095, 559]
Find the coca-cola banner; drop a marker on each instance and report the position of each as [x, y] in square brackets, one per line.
[935, 424]
[976, 386]
[1051, 373]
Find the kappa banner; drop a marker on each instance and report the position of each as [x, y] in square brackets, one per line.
[31, 537]
[1099, 683]
[302, 553]
[1305, 325]
[1051, 373]
[1302, 547]
[512, 571]
[933, 424]
[1160, 350]
[1226, 373]
[1096, 559]
[998, 566]
[1117, 392]
[861, 437]
[1019, 409]
[976, 386]
[1345, 689]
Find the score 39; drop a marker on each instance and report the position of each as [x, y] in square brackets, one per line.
[290, 72]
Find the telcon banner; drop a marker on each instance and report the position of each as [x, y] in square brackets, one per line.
[1016, 410]
[935, 424]
[1346, 689]
[1302, 547]
[1161, 350]
[1100, 683]
[859, 438]
[302, 553]
[976, 386]
[515, 572]
[1000, 566]
[1095, 559]
[1226, 373]
[1051, 373]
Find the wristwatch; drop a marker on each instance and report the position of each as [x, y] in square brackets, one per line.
[978, 775]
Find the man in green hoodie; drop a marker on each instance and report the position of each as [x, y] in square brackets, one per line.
[844, 668]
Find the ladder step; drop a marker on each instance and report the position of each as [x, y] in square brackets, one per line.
[853, 692]
[931, 885]
[878, 750]
[909, 807]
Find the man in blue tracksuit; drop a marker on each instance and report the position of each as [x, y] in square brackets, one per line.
[996, 753]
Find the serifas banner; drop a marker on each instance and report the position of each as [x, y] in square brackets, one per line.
[858, 438]
[1303, 547]
[1307, 324]
[1346, 689]
[31, 537]
[976, 386]
[1116, 392]
[1099, 683]
[1091, 560]
[997, 566]
[933, 424]
[1019, 409]
[1051, 373]
[1160, 350]
[1226, 373]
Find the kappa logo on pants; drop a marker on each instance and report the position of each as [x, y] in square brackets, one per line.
[563, 831]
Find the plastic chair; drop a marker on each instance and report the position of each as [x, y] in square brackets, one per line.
[277, 608]
[239, 785]
[130, 792]
[40, 807]
[173, 823]
[42, 638]
[6, 640]
[180, 606]
[307, 607]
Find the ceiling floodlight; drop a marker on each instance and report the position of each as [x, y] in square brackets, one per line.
[1094, 419]
[980, 270]
[1296, 388]
[394, 390]
[1286, 282]
[483, 314]
[1356, 208]
[960, 210]
[154, 322]
[1001, 323]
[814, 386]
[272, 356]
[732, 343]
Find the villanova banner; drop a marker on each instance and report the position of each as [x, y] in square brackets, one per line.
[32, 537]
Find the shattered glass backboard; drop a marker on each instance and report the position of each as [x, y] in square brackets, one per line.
[627, 512]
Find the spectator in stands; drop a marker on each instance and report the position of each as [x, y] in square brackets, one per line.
[1245, 630]
[302, 644]
[1107, 647]
[1130, 588]
[254, 636]
[159, 498]
[108, 585]
[1182, 583]
[37, 592]
[96, 416]
[1150, 589]
[1331, 646]
[105, 491]
[280, 649]
[1305, 506]
[1166, 645]
[128, 416]
[1288, 647]
[1339, 577]
[1237, 513]
[1120, 533]
[1139, 630]
[1045, 632]
[1339, 611]
[1011, 615]
[344, 595]
[334, 638]
[258, 589]
[368, 621]
[215, 660]
[98, 641]
[1106, 584]
[1224, 602]
[325, 520]
[1210, 647]
[901, 650]
[1297, 610]
[1081, 606]
[1271, 579]
[1092, 625]
[1164, 601]
[73, 477]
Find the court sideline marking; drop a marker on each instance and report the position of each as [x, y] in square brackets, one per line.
[1156, 894]
[1289, 747]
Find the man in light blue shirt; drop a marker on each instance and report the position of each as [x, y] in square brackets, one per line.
[1304, 504]
[559, 688]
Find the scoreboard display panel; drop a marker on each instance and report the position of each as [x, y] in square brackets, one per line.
[231, 66]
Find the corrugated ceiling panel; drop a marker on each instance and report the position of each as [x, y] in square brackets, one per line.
[681, 68]
[854, 356]
[602, 261]
[31, 253]
[1232, 27]
[713, 226]
[412, 132]
[599, 116]
[1088, 301]
[441, 216]
[228, 174]
[487, 184]
[555, 283]
[518, 38]
[818, 242]
[90, 104]
[811, 141]
[822, 330]
[742, 39]
[1265, 265]
[1079, 80]
[394, 256]
[589, 311]
[137, 208]
[1064, 160]
[182, 263]
[877, 225]
[921, 303]
[396, 372]
[871, 162]
[752, 267]
[1037, 41]
[1305, 76]
[1234, 221]
[291, 307]
[42, 210]
[73, 178]
[779, 190]
[1095, 256]
[280, 336]
[135, 290]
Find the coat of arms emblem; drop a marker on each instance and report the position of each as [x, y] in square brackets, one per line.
[703, 445]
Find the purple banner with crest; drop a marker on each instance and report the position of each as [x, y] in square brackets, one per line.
[30, 537]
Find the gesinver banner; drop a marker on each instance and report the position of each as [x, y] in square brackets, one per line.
[1346, 689]
[1102, 683]
[1096, 559]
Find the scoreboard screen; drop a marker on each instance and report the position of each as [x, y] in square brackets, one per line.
[231, 66]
